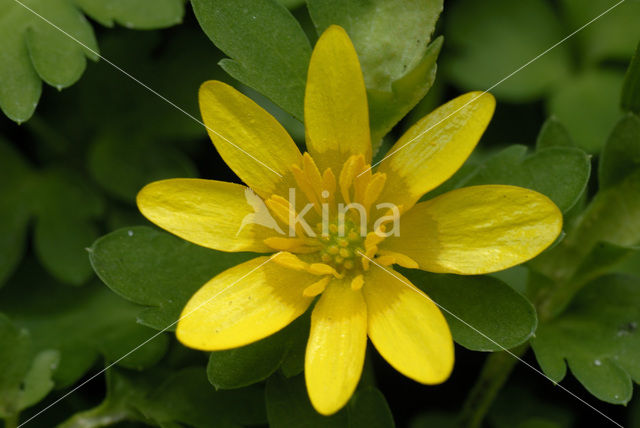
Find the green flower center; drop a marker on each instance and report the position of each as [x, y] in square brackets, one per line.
[341, 246]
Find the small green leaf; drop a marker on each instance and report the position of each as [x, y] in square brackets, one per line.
[561, 173]
[553, 134]
[269, 50]
[631, 87]
[140, 14]
[288, 404]
[500, 318]
[239, 367]
[621, 154]
[611, 37]
[598, 337]
[67, 207]
[492, 39]
[82, 324]
[158, 270]
[26, 376]
[588, 105]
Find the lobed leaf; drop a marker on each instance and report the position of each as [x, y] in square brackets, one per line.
[597, 337]
[35, 47]
[268, 49]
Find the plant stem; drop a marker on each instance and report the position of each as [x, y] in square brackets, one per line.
[494, 374]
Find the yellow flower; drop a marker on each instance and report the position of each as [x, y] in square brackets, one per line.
[346, 260]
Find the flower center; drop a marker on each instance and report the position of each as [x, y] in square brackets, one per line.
[341, 245]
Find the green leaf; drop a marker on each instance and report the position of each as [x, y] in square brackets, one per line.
[388, 108]
[15, 208]
[399, 66]
[613, 36]
[35, 50]
[553, 134]
[588, 105]
[598, 337]
[123, 166]
[490, 40]
[269, 50]
[26, 375]
[82, 324]
[621, 154]
[171, 398]
[140, 14]
[501, 317]
[385, 54]
[158, 270]
[613, 217]
[239, 367]
[288, 404]
[66, 209]
[369, 409]
[561, 173]
[631, 87]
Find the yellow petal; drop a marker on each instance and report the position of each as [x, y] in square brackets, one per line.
[433, 149]
[407, 328]
[336, 347]
[214, 214]
[336, 115]
[477, 230]
[243, 304]
[251, 141]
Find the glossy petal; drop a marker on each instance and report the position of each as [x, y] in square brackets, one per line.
[336, 114]
[251, 141]
[477, 230]
[214, 214]
[336, 347]
[243, 304]
[407, 328]
[433, 149]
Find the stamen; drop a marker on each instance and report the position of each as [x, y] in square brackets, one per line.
[290, 261]
[373, 190]
[317, 287]
[400, 259]
[357, 283]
